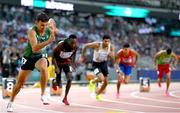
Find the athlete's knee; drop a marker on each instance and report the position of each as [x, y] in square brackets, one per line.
[126, 82]
[69, 77]
[168, 77]
[42, 68]
[101, 77]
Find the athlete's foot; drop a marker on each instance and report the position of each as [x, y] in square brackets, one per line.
[98, 97]
[159, 83]
[167, 93]
[44, 100]
[91, 86]
[65, 101]
[9, 107]
[117, 95]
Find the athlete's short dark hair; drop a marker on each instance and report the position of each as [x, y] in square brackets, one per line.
[106, 37]
[72, 36]
[42, 17]
[126, 45]
[168, 51]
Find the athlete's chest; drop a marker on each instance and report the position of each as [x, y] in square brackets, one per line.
[63, 54]
[42, 38]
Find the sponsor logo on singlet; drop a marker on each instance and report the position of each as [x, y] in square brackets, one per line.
[65, 54]
[127, 60]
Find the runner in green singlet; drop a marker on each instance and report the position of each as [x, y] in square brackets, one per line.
[39, 37]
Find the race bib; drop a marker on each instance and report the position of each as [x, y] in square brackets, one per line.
[166, 60]
[102, 56]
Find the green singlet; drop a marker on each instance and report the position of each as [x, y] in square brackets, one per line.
[164, 58]
[28, 50]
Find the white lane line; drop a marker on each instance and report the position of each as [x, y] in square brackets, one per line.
[75, 104]
[98, 107]
[31, 107]
[134, 94]
[34, 108]
[143, 105]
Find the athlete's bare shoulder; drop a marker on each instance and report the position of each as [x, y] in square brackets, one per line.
[94, 45]
[161, 52]
[112, 47]
[120, 51]
[31, 31]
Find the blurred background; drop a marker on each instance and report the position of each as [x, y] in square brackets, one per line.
[147, 25]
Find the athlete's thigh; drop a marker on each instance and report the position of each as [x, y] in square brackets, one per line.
[122, 68]
[67, 69]
[168, 74]
[41, 64]
[167, 70]
[68, 72]
[104, 69]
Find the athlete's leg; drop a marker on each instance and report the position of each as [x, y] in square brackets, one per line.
[128, 73]
[41, 65]
[68, 72]
[126, 79]
[58, 78]
[68, 85]
[22, 77]
[160, 75]
[120, 78]
[23, 74]
[119, 81]
[104, 80]
[168, 81]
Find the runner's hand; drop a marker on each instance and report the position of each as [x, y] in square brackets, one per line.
[81, 59]
[52, 26]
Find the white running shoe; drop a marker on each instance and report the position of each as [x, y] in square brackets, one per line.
[45, 100]
[9, 107]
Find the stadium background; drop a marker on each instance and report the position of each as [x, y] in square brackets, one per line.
[157, 27]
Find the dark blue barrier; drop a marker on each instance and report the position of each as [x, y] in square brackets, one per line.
[152, 74]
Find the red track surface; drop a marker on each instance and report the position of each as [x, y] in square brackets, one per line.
[130, 101]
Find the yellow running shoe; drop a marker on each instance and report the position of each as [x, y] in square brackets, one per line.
[98, 97]
[91, 86]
